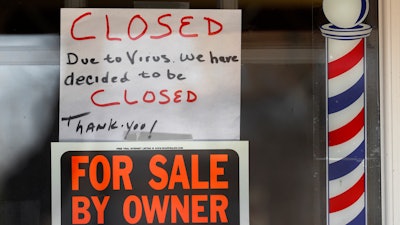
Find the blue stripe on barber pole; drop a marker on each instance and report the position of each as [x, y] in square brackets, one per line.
[345, 99]
[363, 12]
[359, 220]
[346, 165]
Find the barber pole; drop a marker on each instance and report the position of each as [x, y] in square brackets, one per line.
[346, 113]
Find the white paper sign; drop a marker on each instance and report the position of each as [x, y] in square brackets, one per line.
[148, 73]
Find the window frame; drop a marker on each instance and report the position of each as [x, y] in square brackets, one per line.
[389, 14]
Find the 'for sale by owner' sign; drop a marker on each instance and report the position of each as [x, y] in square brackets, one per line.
[149, 184]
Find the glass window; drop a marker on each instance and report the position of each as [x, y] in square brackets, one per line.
[283, 106]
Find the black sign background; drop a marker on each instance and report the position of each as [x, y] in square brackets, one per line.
[140, 176]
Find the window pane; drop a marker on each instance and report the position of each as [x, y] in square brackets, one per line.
[283, 102]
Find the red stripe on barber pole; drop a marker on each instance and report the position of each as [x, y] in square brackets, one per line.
[348, 131]
[347, 198]
[346, 62]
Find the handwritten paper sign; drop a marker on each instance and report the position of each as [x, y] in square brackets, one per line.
[150, 183]
[149, 72]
